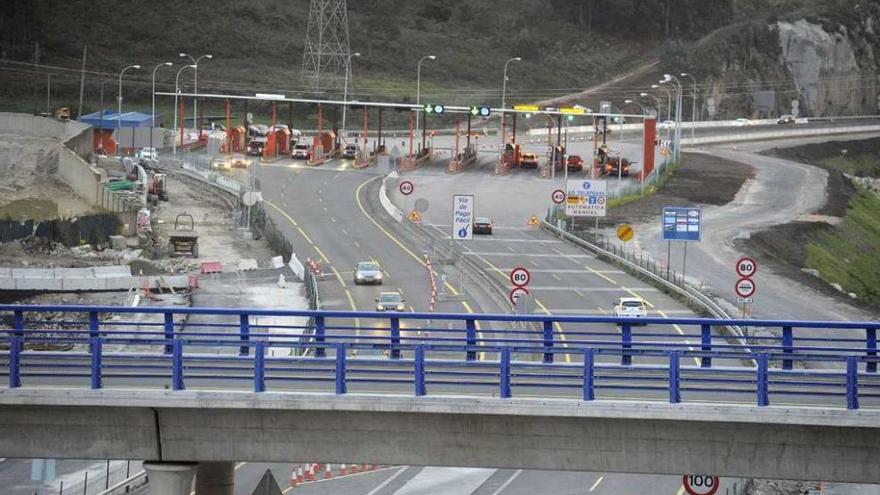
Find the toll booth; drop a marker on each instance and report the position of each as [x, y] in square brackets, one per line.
[282, 141]
[512, 155]
[237, 139]
[271, 148]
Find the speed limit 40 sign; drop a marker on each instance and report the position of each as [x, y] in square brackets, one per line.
[520, 277]
[700, 484]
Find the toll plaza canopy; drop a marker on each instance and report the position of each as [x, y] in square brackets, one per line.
[112, 119]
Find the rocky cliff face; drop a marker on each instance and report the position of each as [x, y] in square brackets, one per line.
[825, 70]
[828, 63]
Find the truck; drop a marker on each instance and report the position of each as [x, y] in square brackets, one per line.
[257, 136]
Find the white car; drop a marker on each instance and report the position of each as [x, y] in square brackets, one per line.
[740, 123]
[147, 154]
[630, 307]
[367, 272]
[666, 124]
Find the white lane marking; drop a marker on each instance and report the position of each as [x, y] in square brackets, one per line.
[589, 289]
[597, 483]
[533, 262]
[508, 482]
[557, 277]
[332, 219]
[385, 483]
[344, 232]
[511, 249]
[529, 255]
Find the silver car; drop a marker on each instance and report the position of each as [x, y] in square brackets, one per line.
[390, 301]
[368, 272]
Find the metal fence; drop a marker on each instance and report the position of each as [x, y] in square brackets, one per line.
[398, 353]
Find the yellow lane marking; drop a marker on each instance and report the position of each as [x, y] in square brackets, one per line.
[597, 483]
[595, 272]
[357, 321]
[467, 307]
[357, 197]
[680, 490]
[283, 213]
[635, 294]
[680, 332]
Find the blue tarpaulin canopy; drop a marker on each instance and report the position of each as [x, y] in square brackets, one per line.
[126, 119]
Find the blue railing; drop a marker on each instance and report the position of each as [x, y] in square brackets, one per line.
[806, 362]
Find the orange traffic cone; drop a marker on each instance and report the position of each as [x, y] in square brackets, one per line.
[293, 479]
[342, 470]
[310, 473]
[328, 472]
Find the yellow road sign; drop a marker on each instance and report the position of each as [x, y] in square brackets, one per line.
[625, 232]
[573, 111]
[533, 221]
[415, 216]
[526, 108]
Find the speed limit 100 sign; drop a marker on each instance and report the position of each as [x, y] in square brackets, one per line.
[520, 277]
[699, 484]
[746, 267]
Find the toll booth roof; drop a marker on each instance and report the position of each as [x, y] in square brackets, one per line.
[112, 119]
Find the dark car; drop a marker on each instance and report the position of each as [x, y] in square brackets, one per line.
[255, 148]
[575, 163]
[529, 160]
[482, 225]
[786, 119]
[350, 151]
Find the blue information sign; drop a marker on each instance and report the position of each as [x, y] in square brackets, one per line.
[682, 224]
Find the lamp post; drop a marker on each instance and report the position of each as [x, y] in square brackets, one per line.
[679, 90]
[694, 105]
[195, 64]
[504, 100]
[656, 101]
[345, 87]
[119, 106]
[633, 102]
[419, 87]
[176, 92]
[669, 100]
[153, 111]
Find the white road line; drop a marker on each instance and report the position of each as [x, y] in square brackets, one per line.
[557, 277]
[533, 263]
[508, 482]
[589, 289]
[344, 232]
[529, 255]
[511, 249]
[332, 219]
[385, 483]
[597, 483]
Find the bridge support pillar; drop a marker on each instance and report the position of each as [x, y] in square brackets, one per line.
[170, 478]
[215, 478]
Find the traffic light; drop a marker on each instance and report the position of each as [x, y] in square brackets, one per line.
[481, 111]
[438, 109]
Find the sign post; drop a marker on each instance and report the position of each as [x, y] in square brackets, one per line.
[406, 188]
[586, 198]
[745, 287]
[462, 217]
[680, 224]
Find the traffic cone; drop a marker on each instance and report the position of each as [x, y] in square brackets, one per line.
[299, 475]
[328, 472]
[293, 478]
[374, 467]
[355, 468]
[310, 474]
[342, 470]
[365, 468]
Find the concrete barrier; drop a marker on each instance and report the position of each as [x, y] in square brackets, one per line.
[389, 207]
[100, 278]
[779, 134]
[85, 180]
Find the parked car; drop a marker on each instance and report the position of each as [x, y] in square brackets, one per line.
[482, 225]
[786, 119]
[350, 151]
[575, 163]
[529, 160]
[390, 301]
[740, 122]
[302, 151]
[147, 154]
[630, 307]
[367, 272]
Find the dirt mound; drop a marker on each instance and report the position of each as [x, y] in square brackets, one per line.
[701, 179]
[857, 157]
[840, 192]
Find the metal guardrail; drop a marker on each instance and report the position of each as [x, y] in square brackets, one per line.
[684, 290]
[135, 481]
[570, 356]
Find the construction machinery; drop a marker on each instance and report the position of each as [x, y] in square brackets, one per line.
[62, 113]
[156, 187]
[184, 239]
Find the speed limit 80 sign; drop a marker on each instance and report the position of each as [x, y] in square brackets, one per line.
[746, 267]
[520, 277]
[699, 484]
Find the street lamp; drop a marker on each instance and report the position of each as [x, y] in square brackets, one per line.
[119, 106]
[176, 92]
[345, 90]
[679, 90]
[419, 85]
[153, 111]
[504, 99]
[669, 97]
[694, 105]
[632, 102]
[195, 63]
[656, 100]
